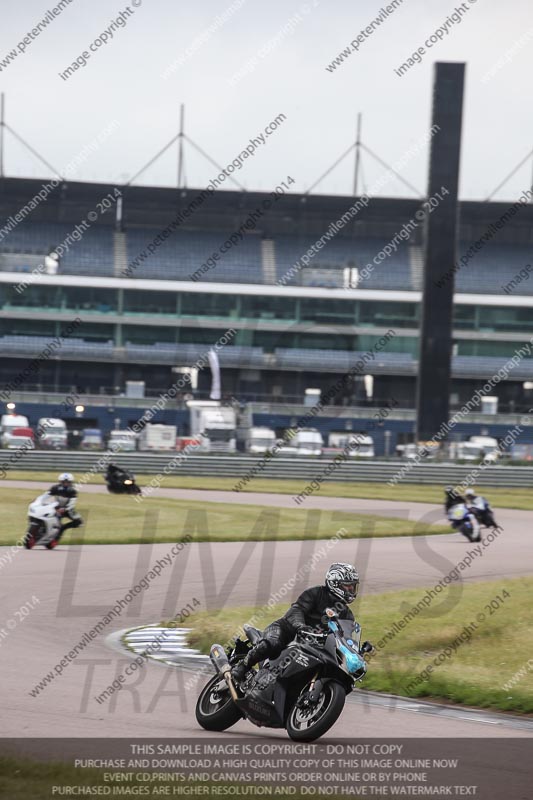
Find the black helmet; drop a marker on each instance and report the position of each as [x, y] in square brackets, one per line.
[451, 492]
[343, 581]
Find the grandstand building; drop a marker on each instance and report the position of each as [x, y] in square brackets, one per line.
[155, 277]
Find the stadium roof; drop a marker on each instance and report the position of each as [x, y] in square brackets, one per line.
[292, 213]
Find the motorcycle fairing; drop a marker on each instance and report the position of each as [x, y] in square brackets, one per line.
[259, 703]
[458, 512]
[48, 518]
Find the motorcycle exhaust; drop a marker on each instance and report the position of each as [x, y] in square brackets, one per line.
[222, 665]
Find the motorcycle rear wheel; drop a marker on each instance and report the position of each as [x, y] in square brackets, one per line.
[215, 709]
[308, 724]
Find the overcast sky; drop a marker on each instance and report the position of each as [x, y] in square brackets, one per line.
[258, 60]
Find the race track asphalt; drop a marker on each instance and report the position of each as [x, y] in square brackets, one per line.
[70, 589]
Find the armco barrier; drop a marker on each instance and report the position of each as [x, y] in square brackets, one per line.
[304, 469]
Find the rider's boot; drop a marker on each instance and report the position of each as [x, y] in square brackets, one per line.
[258, 652]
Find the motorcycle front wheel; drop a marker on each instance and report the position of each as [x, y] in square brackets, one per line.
[467, 530]
[307, 722]
[32, 536]
[215, 709]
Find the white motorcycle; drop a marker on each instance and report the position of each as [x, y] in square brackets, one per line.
[45, 521]
[465, 521]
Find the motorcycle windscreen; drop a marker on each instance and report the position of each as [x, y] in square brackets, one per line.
[351, 631]
[45, 500]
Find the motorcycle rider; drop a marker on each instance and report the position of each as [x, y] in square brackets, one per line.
[65, 489]
[340, 589]
[452, 498]
[481, 508]
[114, 474]
[120, 481]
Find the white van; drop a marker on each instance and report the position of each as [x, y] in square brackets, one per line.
[260, 440]
[476, 448]
[125, 441]
[309, 442]
[360, 445]
[52, 433]
[488, 447]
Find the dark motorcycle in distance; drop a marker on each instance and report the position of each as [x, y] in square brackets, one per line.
[303, 690]
[120, 481]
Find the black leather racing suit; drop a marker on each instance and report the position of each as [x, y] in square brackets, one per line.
[70, 494]
[114, 474]
[307, 610]
[452, 499]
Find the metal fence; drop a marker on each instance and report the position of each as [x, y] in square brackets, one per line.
[238, 466]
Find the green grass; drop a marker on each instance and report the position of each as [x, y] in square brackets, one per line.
[476, 672]
[22, 779]
[521, 498]
[113, 519]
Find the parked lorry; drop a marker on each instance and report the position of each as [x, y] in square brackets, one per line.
[51, 433]
[158, 437]
[8, 424]
[23, 438]
[214, 424]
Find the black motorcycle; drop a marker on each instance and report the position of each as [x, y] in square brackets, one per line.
[120, 481]
[483, 511]
[303, 690]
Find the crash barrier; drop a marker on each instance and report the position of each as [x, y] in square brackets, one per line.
[242, 466]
